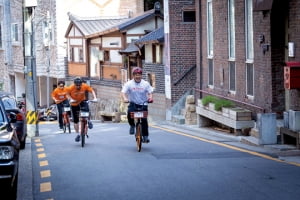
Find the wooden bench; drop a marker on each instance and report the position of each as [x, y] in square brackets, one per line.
[285, 133]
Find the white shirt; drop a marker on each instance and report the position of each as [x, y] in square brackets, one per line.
[137, 92]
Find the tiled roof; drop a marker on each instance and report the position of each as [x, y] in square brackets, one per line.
[91, 27]
[130, 49]
[156, 36]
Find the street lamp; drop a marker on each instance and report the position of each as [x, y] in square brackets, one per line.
[30, 66]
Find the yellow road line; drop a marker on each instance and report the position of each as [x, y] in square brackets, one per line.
[40, 149]
[45, 187]
[226, 145]
[41, 155]
[44, 163]
[45, 173]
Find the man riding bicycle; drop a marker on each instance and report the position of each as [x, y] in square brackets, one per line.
[137, 91]
[59, 95]
[77, 94]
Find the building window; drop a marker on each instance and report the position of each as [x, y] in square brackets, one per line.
[80, 55]
[231, 29]
[232, 76]
[94, 62]
[249, 30]
[189, 16]
[14, 32]
[106, 56]
[76, 54]
[210, 28]
[1, 42]
[1, 28]
[250, 80]
[72, 54]
[210, 72]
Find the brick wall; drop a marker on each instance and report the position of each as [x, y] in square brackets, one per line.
[182, 48]
[269, 92]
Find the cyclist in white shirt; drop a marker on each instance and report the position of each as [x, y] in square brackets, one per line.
[138, 93]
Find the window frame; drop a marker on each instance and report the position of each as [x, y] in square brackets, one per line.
[210, 73]
[188, 18]
[250, 81]
[232, 77]
[1, 35]
[15, 33]
[231, 30]
[210, 31]
[1, 28]
[249, 30]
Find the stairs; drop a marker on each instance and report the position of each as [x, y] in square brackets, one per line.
[179, 119]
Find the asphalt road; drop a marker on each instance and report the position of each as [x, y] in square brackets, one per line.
[171, 166]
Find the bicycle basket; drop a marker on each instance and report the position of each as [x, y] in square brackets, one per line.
[139, 114]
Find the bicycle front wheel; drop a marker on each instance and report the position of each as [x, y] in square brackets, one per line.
[64, 127]
[69, 127]
[138, 136]
[82, 132]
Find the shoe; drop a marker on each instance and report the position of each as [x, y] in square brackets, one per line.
[61, 127]
[77, 139]
[146, 139]
[131, 130]
[90, 124]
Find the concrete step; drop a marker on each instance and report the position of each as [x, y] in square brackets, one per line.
[250, 140]
[182, 111]
[178, 119]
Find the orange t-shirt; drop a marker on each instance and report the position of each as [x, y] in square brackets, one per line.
[78, 95]
[60, 94]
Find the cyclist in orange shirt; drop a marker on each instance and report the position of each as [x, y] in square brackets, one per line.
[76, 94]
[59, 95]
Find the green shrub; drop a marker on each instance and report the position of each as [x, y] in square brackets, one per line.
[223, 103]
[219, 103]
[208, 99]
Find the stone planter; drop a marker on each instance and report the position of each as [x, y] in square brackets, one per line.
[237, 118]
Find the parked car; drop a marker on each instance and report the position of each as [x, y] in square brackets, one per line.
[10, 104]
[9, 154]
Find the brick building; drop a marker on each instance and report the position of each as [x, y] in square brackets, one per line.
[242, 48]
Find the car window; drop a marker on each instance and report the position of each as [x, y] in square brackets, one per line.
[1, 117]
[9, 103]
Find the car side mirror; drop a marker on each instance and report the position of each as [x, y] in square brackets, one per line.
[12, 117]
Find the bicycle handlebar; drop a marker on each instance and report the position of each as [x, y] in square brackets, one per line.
[92, 100]
[143, 102]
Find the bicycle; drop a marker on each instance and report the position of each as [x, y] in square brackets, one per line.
[66, 118]
[138, 115]
[84, 117]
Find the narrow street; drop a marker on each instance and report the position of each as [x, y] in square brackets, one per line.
[171, 166]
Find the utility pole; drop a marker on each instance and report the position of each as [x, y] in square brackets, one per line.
[30, 68]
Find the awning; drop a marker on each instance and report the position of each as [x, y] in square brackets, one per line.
[132, 48]
[261, 5]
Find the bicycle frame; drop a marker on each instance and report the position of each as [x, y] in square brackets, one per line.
[138, 115]
[66, 119]
[84, 116]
